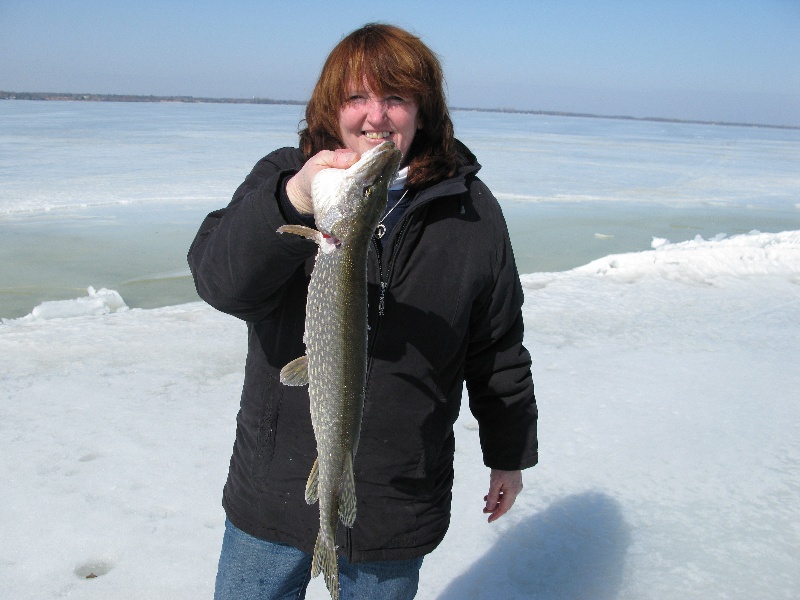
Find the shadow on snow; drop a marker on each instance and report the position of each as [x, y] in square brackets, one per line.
[573, 550]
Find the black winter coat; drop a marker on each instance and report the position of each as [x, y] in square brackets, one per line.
[444, 308]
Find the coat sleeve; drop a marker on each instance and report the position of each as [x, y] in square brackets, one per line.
[498, 367]
[238, 260]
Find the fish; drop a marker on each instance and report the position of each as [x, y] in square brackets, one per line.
[348, 205]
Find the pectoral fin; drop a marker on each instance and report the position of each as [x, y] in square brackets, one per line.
[301, 230]
[327, 243]
[296, 372]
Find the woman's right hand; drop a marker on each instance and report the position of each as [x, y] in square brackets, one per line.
[298, 188]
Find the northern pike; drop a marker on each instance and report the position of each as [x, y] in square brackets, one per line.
[348, 204]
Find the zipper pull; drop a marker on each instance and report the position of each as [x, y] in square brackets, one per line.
[382, 298]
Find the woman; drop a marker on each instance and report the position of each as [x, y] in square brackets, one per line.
[444, 308]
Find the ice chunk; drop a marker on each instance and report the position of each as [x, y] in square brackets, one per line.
[98, 302]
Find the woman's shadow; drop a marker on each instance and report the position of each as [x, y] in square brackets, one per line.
[573, 550]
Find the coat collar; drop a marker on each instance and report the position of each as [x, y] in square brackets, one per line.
[455, 185]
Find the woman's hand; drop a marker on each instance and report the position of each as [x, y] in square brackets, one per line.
[504, 487]
[298, 188]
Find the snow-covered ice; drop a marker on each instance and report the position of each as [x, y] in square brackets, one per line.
[666, 378]
[669, 440]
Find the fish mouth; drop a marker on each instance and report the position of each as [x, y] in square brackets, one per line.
[381, 160]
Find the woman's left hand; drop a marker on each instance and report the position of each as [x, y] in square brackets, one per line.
[504, 487]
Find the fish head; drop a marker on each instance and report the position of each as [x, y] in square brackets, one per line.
[352, 200]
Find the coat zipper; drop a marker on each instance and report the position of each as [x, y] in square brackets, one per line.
[383, 286]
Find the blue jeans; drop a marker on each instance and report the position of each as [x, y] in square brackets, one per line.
[254, 569]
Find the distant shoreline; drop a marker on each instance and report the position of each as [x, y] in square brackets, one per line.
[50, 96]
[135, 98]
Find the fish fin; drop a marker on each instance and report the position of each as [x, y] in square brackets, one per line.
[301, 230]
[312, 485]
[327, 243]
[347, 497]
[296, 372]
[325, 562]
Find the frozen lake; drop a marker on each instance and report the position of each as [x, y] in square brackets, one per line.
[110, 195]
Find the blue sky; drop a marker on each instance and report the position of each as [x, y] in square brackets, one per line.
[731, 60]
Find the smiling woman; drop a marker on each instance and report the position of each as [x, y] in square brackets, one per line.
[443, 305]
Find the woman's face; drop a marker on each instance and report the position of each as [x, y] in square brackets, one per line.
[366, 119]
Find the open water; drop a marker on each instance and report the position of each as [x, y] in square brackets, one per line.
[111, 194]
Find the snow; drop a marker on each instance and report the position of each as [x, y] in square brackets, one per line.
[669, 450]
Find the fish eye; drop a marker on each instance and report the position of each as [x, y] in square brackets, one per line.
[368, 191]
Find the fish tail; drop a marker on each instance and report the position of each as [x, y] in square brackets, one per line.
[325, 562]
[347, 496]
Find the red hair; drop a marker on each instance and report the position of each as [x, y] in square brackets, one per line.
[392, 61]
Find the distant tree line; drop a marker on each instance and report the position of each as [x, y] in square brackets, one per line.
[135, 98]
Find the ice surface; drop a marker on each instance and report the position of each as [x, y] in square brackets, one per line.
[61, 155]
[669, 421]
[111, 194]
[67, 155]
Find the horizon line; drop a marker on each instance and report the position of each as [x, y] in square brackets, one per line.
[83, 97]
